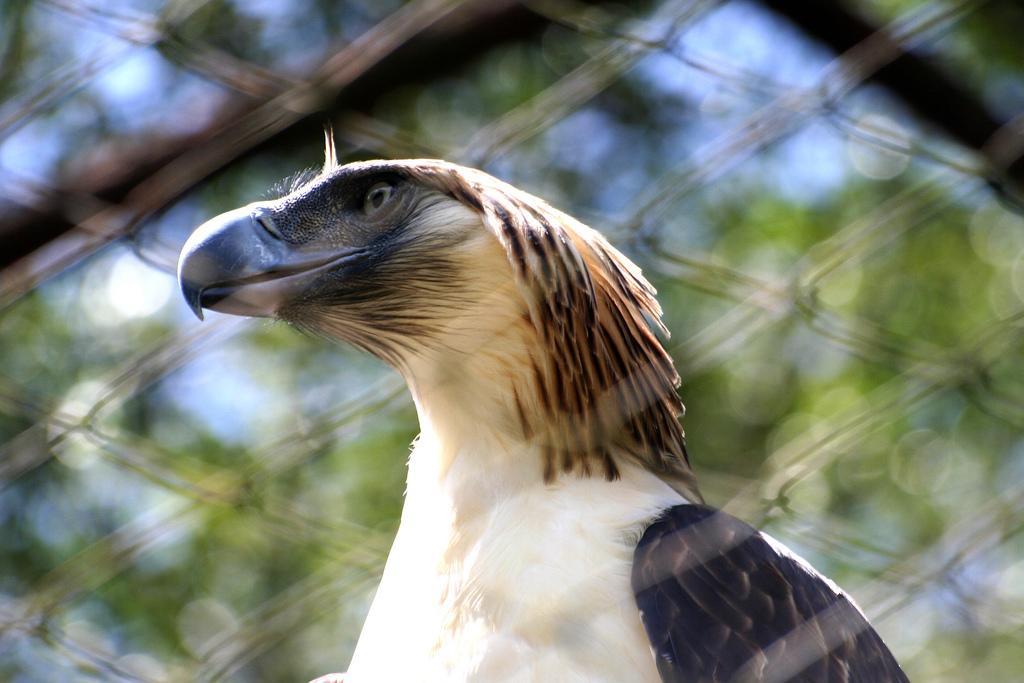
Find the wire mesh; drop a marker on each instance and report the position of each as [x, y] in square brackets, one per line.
[215, 502]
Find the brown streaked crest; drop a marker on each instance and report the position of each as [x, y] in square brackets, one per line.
[605, 383]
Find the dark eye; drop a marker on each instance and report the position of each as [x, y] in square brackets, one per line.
[378, 196]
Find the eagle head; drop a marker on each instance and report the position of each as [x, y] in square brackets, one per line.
[372, 253]
[459, 279]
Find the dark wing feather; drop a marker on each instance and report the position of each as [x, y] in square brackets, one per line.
[720, 603]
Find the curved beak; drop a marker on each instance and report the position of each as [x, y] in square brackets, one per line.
[238, 263]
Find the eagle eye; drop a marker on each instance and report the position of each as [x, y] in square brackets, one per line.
[377, 196]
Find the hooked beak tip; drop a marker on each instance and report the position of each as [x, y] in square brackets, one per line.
[193, 298]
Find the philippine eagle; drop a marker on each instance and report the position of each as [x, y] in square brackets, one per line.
[552, 528]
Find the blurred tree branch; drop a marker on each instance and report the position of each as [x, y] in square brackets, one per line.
[925, 86]
[129, 183]
[417, 44]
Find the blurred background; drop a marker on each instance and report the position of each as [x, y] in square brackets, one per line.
[827, 195]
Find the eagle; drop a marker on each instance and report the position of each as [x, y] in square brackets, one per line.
[552, 528]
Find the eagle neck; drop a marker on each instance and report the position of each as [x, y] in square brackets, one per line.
[470, 408]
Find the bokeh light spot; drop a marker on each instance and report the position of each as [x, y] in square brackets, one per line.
[879, 147]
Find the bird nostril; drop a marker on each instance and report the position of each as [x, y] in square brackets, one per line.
[266, 221]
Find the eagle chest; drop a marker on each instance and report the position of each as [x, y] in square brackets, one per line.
[535, 588]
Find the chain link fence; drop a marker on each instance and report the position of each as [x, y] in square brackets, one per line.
[842, 271]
